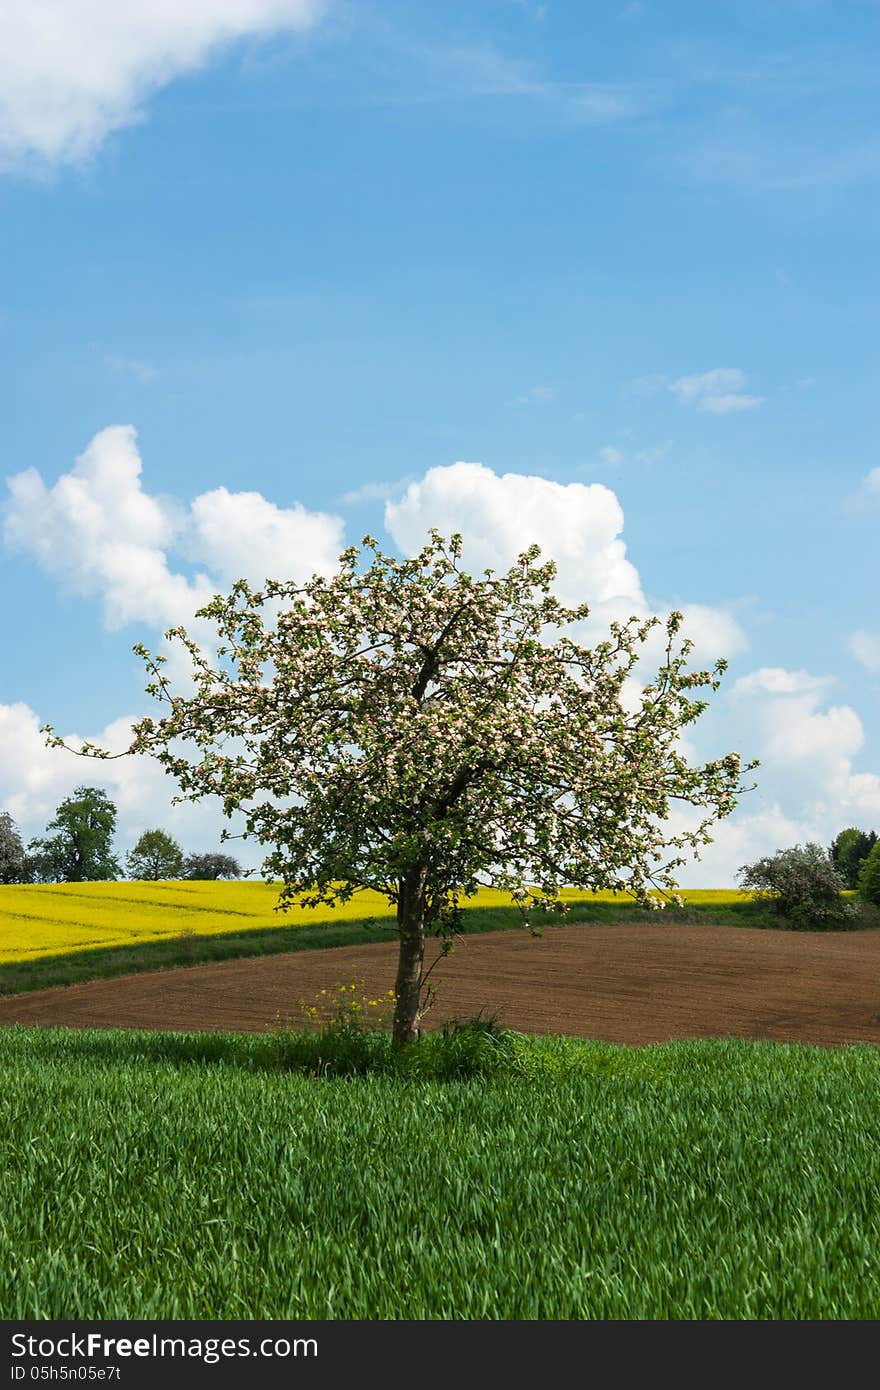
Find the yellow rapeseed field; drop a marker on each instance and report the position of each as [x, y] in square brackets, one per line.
[60, 918]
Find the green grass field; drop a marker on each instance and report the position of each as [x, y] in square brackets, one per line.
[165, 1176]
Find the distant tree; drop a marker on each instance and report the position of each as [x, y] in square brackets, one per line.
[211, 866]
[803, 886]
[13, 860]
[849, 850]
[156, 855]
[869, 877]
[81, 848]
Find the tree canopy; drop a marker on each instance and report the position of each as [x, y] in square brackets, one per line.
[869, 876]
[211, 866]
[157, 855]
[81, 848]
[13, 860]
[413, 729]
[849, 851]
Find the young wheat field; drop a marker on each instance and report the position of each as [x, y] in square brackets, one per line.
[169, 1176]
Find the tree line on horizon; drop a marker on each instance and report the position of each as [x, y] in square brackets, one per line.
[78, 848]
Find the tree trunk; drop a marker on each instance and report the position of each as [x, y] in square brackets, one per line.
[411, 927]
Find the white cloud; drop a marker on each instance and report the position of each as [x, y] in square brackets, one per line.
[576, 524]
[102, 535]
[804, 749]
[774, 680]
[865, 647]
[807, 788]
[98, 532]
[792, 730]
[718, 391]
[34, 779]
[71, 71]
[714, 632]
[743, 838]
[243, 535]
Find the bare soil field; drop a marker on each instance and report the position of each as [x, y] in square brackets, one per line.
[637, 984]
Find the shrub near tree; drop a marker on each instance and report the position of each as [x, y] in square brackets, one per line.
[848, 852]
[81, 848]
[803, 886]
[869, 877]
[155, 856]
[415, 730]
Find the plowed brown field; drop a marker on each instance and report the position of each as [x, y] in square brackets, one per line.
[637, 984]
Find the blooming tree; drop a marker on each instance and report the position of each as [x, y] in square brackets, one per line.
[406, 727]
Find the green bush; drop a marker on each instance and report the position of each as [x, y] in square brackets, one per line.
[869, 877]
[461, 1048]
[849, 851]
[803, 886]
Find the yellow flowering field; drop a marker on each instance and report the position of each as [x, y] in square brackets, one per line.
[53, 919]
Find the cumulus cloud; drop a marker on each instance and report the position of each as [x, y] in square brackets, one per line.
[718, 391]
[34, 779]
[102, 535]
[714, 632]
[774, 680]
[806, 746]
[865, 647]
[578, 525]
[71, 71]
[791, 728]
[243, 535]
[807, 785]
[99, 533]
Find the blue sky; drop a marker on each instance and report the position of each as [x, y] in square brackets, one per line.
[322, 254]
